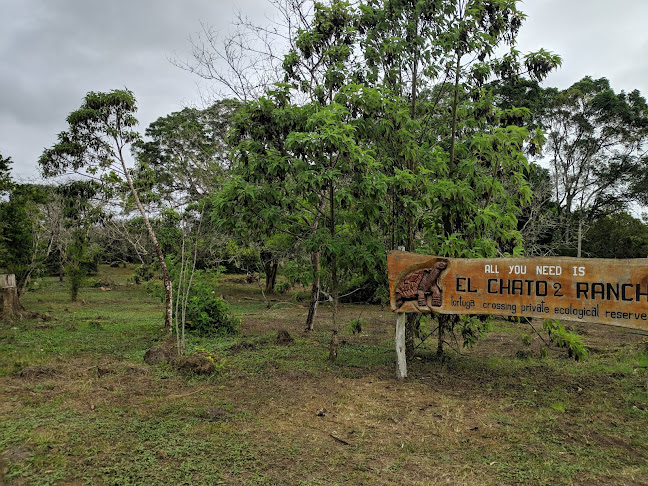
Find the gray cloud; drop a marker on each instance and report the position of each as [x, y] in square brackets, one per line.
[600, 38]
[52, 52]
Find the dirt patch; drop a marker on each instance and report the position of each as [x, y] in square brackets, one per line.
[284, 337]
[156, 355]
[241, 346]
[18, 453]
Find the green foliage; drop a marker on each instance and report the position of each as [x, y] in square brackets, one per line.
[282, 287]
[564, 339]
[616, 236]
[355, 326]
[143, 273]
[24, 238]
[595, 140]
[207, 313]
[80, 214]
[75, 269]
[5, 175]
[99, 131]
[472, 328]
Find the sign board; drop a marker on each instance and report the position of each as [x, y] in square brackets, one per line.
[574, 289]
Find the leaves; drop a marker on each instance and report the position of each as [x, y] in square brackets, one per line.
[98, 133]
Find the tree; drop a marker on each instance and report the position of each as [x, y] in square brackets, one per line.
[299, 171]
[95, 145]
[456, 160]
[301, 161]
[80, 216]
[26, 239]
[5, 185]
[9, 303]
[596, 140]
[616, 236]
[5, 174]
[185, 155]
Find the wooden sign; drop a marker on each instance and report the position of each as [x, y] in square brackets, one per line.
[574, 289]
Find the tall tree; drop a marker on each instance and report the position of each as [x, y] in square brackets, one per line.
[5, 174]
[95, 144]
[596, 140]
[185, 155]
[5, 185]
[303, 136]
[457, 161]
[616, 236]
[26, 240]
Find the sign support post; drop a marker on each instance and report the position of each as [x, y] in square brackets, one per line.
[401, 359]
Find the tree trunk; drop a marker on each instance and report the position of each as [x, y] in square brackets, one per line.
[335, 284]
[270, 265]
[410, 332]
[580, 237]
[314, 299]
[166, 278]
[442, 323]
[412, 319]
[9, 303]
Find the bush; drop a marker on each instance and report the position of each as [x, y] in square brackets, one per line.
[355, 326]
[208, 314]
[143, 273]
[282, 287]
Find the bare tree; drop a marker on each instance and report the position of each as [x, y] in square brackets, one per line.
[248, 60]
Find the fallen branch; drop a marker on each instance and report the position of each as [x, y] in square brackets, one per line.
[337, 439]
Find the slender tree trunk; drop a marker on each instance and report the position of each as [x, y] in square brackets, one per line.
[335, 285]
[410, 334]
[580, 237]
[455, 102]
[442, 324]
[168, 285]
[411, 320]
[315, 289]
[448, 225]
[271, 266]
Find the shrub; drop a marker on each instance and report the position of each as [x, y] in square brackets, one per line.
[208, 314]
[143, 273]
[282, 287]
[564, 339]
[356, 326]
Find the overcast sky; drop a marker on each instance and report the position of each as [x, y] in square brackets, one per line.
[52, 52]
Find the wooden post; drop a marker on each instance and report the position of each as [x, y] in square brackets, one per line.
[401, 359]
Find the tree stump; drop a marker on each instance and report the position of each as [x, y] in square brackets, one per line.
[9, 303]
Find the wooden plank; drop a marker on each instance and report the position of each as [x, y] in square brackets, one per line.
[401, 359]
[604, 291]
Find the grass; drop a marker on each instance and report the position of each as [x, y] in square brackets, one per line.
[79, 406]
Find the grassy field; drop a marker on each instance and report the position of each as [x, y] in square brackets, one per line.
[79, 406]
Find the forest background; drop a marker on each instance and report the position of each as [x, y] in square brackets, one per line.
[383, 125]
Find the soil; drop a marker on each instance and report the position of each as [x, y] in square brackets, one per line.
[463, 419]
